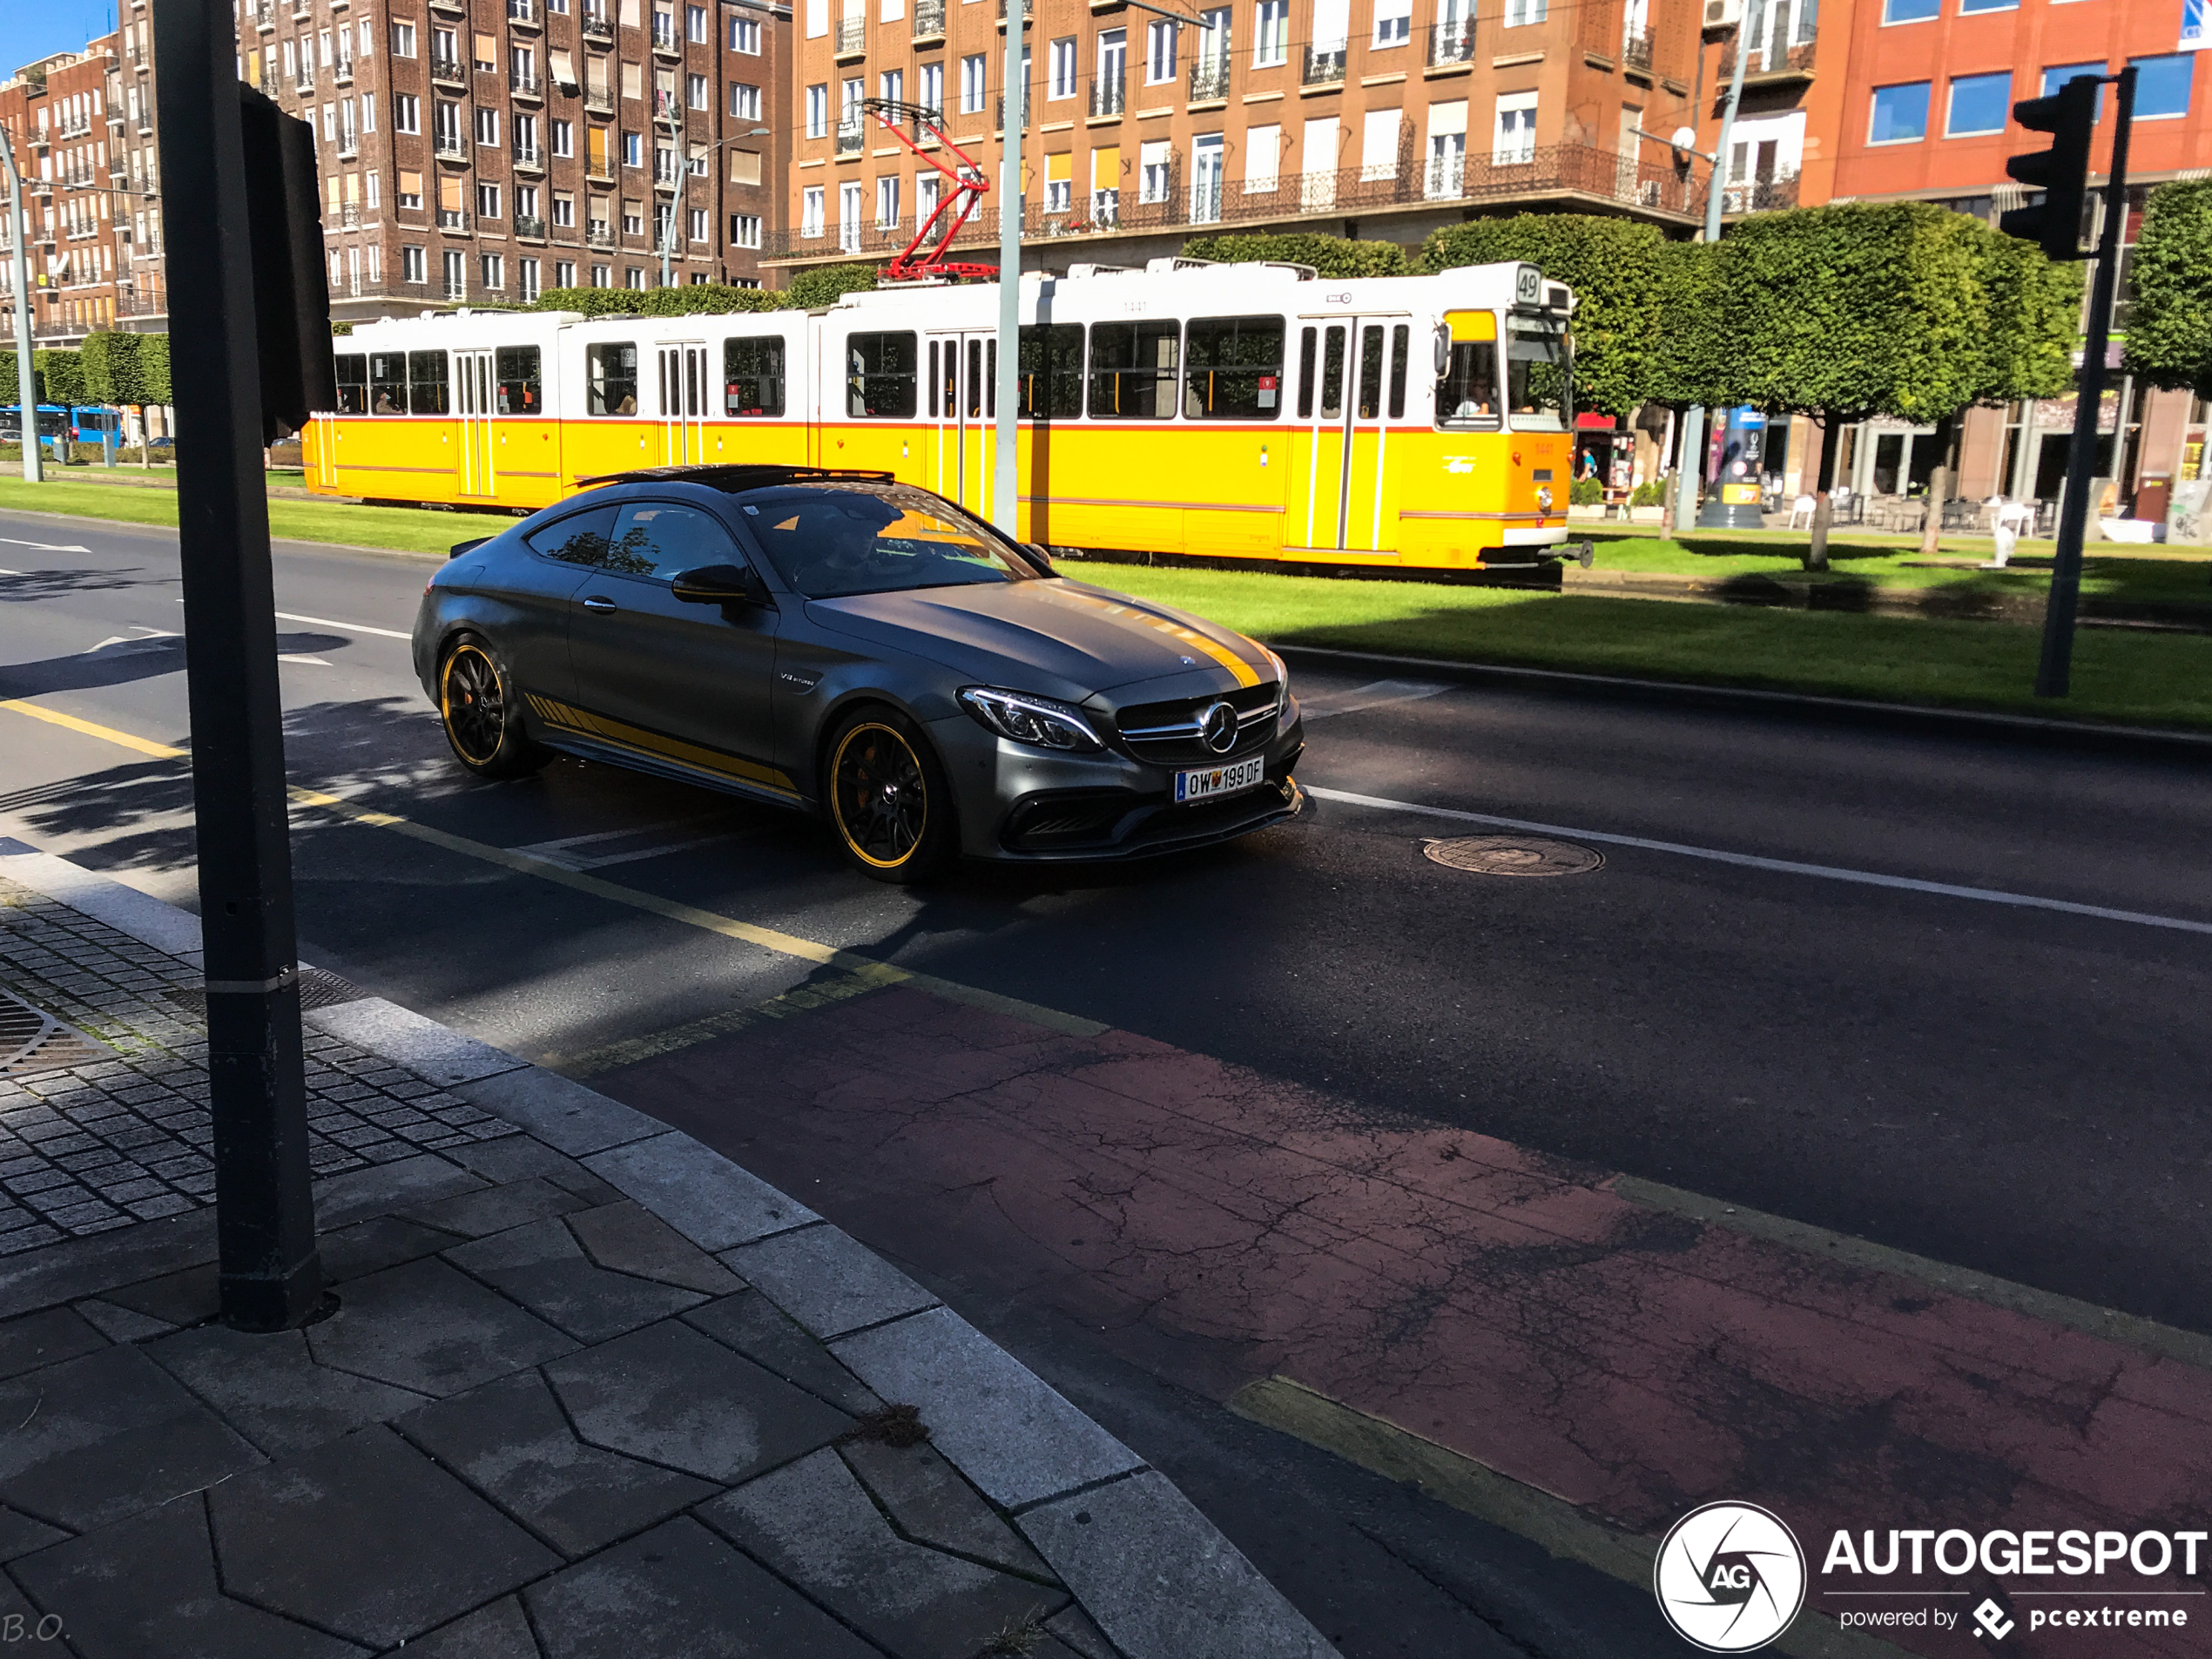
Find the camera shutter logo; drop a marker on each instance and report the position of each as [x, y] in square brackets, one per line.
[1730, 1577]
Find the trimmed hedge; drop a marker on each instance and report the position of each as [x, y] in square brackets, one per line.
[1332, 256]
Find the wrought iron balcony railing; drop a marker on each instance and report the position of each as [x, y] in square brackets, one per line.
[1208, 79]
[1324, 66]
[1109, 96]
[1451, 43]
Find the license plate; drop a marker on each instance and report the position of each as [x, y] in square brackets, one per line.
[1220, 780]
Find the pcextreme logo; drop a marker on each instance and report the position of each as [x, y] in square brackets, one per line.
[1730, 1577]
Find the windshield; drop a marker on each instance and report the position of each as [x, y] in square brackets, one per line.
[1537, 366]
[831, 540]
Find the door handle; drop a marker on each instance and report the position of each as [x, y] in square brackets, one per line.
[596, 603]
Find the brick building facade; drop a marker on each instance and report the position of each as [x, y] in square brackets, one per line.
[1382, 120]
[480, 151]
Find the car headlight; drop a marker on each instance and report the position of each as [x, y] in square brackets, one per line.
[1037, 720]
[1282, 671]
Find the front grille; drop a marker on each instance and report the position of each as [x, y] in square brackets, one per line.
[1167, 734]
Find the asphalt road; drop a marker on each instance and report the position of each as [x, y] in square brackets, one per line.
[2014, 1087]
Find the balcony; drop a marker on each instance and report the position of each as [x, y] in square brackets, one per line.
[998, 120]
[529, 229]
[1209, 80]
[349, 147]
[665, 44]
[448, 70]
[304, 81]
[524, 84]
[80, 127]
[528, 158]
[1760, 195]
[349, 217]
[140, 59]
[1451, 43]
[1767, 66]
[598, 29]
[851, 37]
[1324, 66]
[1108, 97]
[1635, 51]
[455, 8]
[929, 20]
[342, 72]
[521, 14]
[599, 100]
[265, 17]
[114, 114]
[450, 147]
[600, 234]
[1028, 11]
[849, 137]
[453, 218]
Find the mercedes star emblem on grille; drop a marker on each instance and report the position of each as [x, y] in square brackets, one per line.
[1218, 728]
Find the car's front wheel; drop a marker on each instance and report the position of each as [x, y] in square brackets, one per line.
[476, 704]
[888, 799]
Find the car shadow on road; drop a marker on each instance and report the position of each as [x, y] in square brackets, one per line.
[29, 586]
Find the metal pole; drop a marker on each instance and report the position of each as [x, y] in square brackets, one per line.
[668, 231]
[270, 1276]
[26, 376]
[1693, 431]
[2055, 674]
[1006, 502]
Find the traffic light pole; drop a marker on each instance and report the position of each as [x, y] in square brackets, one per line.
[26, 378]
[1694, 443]
[2054, 674]
[268, 1272]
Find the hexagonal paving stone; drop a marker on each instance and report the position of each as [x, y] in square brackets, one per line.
[268, 1388]
[428, 1327]
[542, 1266]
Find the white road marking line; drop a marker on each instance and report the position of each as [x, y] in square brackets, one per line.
[1784, 867]
[325, 622]
[569, 852]
[301, 657]
[43, 547]
[1321, 704]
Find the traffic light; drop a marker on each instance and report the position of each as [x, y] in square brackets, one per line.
[291, 283]
[2062, 172]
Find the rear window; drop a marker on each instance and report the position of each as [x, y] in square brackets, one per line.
[830, 540]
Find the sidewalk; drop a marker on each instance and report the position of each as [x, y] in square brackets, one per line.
[590, 1390]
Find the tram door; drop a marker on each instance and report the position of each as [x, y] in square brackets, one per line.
[473, 405]
[963, 407]
[684, 392]
[1351, 382]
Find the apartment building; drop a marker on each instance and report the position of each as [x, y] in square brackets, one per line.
[480, 151]
[1376, 119]
[81, 127]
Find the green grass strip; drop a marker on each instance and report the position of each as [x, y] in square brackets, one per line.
[405, 530]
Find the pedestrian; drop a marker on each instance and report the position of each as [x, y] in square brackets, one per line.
[2004, 528]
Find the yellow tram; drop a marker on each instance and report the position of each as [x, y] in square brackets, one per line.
[1225, 411]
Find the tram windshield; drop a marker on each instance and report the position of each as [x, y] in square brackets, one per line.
[1538, 369]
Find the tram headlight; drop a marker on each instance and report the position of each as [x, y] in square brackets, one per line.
[1037, 720]
[1544, 497]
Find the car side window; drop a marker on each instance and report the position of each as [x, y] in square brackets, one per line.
[581, 538]
[659, 539]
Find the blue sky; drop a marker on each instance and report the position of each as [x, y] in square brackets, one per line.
[31, 29]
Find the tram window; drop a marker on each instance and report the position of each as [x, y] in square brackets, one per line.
[1133, 370]
[520, 390]
[879, 375]
[1332, 373]
[353, 382]
[753, 375]
[982, 377]
[1536, 373]
[1467, 398]
[944, 380]
[1305, 374]
[1052, 370]
[610, 378]
[426, 383]
[1371, 371]
[1401, 339]
[1233, 368]
[388, 383]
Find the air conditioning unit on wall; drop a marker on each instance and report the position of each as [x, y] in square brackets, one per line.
[1723, 14]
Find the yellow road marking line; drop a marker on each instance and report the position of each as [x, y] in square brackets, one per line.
[768, 939]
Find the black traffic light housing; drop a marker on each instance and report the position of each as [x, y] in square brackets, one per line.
[291, 282]
[2062, 172]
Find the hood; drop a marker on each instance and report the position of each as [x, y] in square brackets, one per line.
[1058, 638]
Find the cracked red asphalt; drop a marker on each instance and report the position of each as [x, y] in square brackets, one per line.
[1216, 1227]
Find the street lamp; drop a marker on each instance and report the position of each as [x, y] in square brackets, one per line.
[683, 172]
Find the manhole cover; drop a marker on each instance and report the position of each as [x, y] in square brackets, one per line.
[319, 988]
[33, 1040]
[1514, 855]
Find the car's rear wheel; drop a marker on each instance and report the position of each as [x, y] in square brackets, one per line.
[477, 705]
[888, 799]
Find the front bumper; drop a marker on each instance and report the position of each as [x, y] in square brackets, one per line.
[1023, 806]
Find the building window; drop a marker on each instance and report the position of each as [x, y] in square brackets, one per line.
[633, 219]
[602, 276]
[1059, 183]
[633, 149]
[1519, 13]
[527, 283]
[1515, 142]
[971, 84]
[695, 91]
[699, 226]
[457, 276]
[1979, 104]
[1900, 114]
[1393, 21]
[488, 127]
[414, 267]
[564, 273]
[818, 109]
[849, 214]
[402, 40]
[810, 210]
[632, 277]
[1156, 173]
[1988, 6]
[372, 187]
[1159, 51]
[410, 195]
[745, 37]
[925, 196]
[1910, 10]
[2163, 85]
[407, 113]
[564, 135]
[492, 268]
[1062, 62]
[886, 203]
[695, 24]
[564, 209]
[487, 201]
[932, 77]
[744, 102]
[745, 230]
[1272, 34]
[892, 84]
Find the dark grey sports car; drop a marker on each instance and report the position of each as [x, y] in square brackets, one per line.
[845, 644]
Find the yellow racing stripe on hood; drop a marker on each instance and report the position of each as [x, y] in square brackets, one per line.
[1190, 637]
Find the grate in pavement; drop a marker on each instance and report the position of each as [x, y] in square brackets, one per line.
[1514, 855]
[319, 988]
[32, 1039]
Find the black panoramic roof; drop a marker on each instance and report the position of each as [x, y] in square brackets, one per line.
[735, 480]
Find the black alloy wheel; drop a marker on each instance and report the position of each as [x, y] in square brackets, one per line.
[476, 706]
[888, 799]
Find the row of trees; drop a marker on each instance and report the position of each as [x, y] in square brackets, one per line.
[127, 371]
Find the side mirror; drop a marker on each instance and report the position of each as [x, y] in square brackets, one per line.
[1038, 556]
[1443, 349]
[718, 584]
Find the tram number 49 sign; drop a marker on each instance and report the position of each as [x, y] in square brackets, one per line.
[1527, 286]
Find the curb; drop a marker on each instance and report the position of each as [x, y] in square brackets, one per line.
[1093, 1508]
[2023, 728]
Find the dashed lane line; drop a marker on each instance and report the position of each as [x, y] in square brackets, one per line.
[1783, 867]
